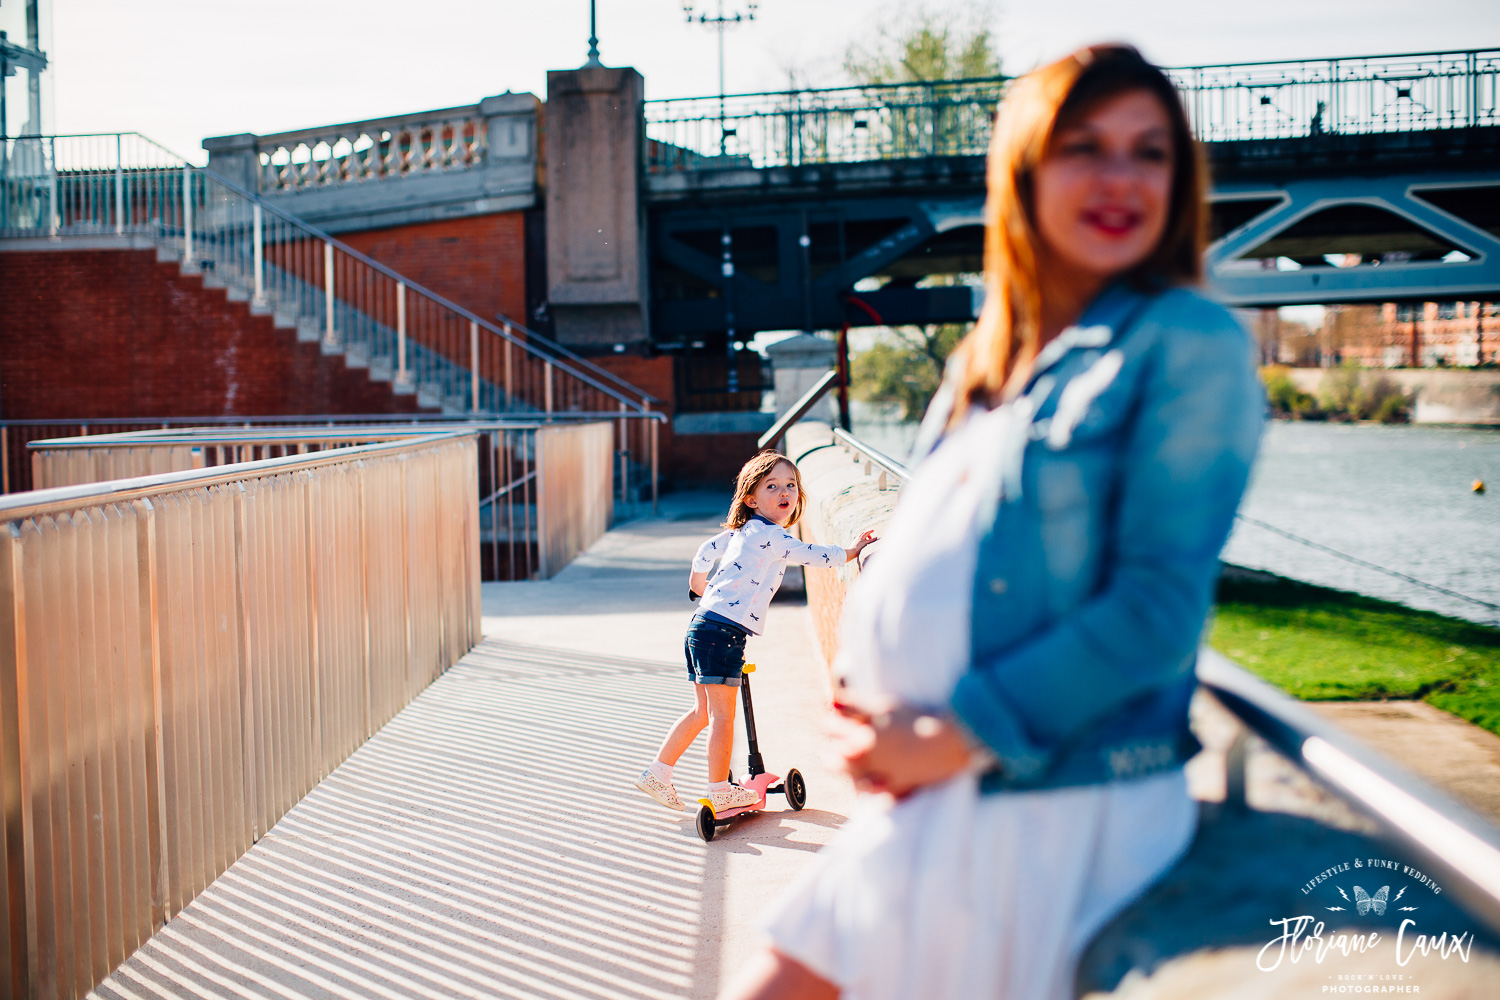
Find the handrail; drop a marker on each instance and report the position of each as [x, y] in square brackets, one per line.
[1445, 836]
[272, 435]
[18, 506]
[799, 409]
[379, 420]
[882, 461]
[576, 357]
[441, 300]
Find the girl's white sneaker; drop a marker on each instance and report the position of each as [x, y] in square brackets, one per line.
[661, 791]
[733, 797]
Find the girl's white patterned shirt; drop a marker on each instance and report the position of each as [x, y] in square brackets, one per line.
[752, 560]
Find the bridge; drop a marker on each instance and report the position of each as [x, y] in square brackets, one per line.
[1343, 180]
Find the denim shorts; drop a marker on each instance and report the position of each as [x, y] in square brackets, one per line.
[715, 652]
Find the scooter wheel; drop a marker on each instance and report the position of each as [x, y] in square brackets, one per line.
[705, 823]
[796, 789]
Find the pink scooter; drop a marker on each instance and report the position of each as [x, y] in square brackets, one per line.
[764, 783]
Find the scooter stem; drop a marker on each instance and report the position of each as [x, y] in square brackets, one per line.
[756, 765]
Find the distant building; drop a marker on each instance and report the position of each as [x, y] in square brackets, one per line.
[1391, 335]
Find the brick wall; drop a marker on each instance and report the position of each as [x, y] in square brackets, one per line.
[115, 333]
[479, 261]
[686, 459]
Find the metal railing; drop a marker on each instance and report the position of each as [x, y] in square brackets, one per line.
[545, 491]
[1267, 100]
[835, 125]
[183, 657]
[1391, 93]
[332, 294]
[1444, 836]
[773, 437]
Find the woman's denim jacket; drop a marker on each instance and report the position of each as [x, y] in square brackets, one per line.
[1115, 487]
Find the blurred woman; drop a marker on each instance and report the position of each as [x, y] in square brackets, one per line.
[1018, 659]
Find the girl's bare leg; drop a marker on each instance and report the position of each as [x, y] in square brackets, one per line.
[721, 702]
[770, 975]
[686, 729]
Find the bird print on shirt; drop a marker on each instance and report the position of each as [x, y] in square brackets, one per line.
[752, 561]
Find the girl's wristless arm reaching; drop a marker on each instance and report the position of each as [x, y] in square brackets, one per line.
[859, 546]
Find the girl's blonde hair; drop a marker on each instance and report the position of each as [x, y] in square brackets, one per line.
[1006, 338]
[755, 470]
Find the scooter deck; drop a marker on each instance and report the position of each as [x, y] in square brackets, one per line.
[760, 783]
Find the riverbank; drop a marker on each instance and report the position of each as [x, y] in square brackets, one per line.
[1321, 644]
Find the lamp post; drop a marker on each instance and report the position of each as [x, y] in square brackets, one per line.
[720, 22]
[593, 62]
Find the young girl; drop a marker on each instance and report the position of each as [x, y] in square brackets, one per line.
[752, 553]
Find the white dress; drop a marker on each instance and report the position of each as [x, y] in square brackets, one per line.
[950, 894]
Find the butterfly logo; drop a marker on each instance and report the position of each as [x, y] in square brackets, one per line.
[766, 546]
[757, 618]
[738, 566]
[825, 557]
[756, 582]
[733, 603]
[1365, 902]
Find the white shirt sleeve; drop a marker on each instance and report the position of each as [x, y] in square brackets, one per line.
[808, 554]
[710, 551]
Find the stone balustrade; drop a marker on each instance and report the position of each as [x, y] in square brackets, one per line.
[418, 167]
[448, 139]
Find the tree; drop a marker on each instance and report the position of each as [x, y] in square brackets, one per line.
[916, 44]
[906, 366]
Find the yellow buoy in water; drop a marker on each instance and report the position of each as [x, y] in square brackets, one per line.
[1478, 486]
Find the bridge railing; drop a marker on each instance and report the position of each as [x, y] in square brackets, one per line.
[184, 656]
[1290, 99]
[832, 125]
[1268, 100]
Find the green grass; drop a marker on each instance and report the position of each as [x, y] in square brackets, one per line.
[1327, 645]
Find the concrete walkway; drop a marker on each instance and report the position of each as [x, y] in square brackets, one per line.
[487, 842]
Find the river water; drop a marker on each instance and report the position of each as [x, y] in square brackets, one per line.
[1397, 496]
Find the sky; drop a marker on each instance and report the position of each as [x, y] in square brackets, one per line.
[181, 70]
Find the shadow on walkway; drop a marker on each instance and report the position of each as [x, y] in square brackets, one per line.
[482, 844]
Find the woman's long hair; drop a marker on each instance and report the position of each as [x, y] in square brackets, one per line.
[1005, 340]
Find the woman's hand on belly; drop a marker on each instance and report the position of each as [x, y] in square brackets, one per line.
[898, 750]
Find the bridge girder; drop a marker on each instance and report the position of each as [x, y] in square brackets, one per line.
[792, 265]
[1240, 276]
